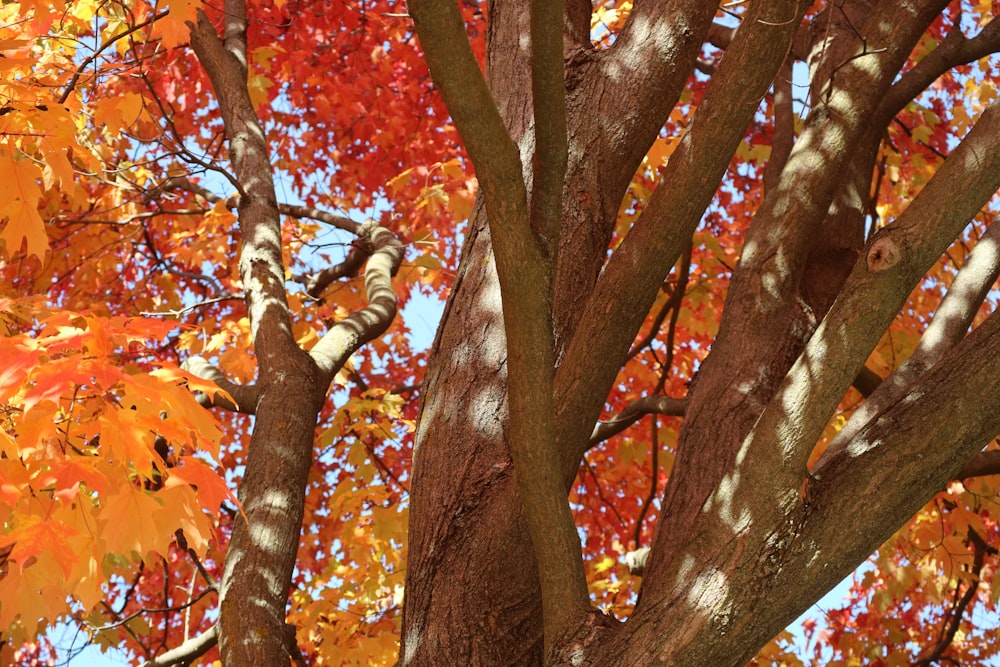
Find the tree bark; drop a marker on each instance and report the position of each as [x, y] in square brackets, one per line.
[748, 538]
[292, 383]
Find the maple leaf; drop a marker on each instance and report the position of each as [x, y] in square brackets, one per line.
[132, 523]
[19, 197]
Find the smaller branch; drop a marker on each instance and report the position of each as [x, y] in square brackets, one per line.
[85, 63]
[292, 646]
[784, 125]
[721, 36]
[189, 651]
[704, 67]
[980, 549]
[588, 467]
[654, 466]
[187, 309]
[338, 221]
[634, 411]
[183, 544]
[245, 395]
[295, 211]
[867, 381]
[182, 150]
[673, 303]
[909, 133]
[122, 621]
[317, 283]
[682, 282]
[955, 49]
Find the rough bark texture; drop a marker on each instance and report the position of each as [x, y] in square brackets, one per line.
[292, 383]
[748, 539]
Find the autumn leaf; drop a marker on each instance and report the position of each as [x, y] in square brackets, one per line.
[20, 194]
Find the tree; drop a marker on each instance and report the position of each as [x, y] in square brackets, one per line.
[144, 249]
[755, 522]
[671, 227]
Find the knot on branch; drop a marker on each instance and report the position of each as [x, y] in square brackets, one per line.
[883, 254]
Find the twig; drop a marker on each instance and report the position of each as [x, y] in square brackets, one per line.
[633, 412]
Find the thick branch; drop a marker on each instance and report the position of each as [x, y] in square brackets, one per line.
[896, 258]
[261, 265]
[628, 285]
[655, 52]
[338, 344]
[261, 555]
[548, 96]
[905, 455]
[525, 264]
[951, 321]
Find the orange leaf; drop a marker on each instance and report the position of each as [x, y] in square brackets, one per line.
[19, 195]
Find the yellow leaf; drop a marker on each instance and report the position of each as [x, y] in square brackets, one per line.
[257, 87]
[128, 524]
[19, 195]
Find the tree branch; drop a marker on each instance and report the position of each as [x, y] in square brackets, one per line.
[636, 410]
[316, 283]
[261, 555]
[456, 73]
[982, 464]
[980, 548]
[655, 52]
[338, 344]
[525, 264]
[947, 328]
[867, 381]
[189, 651]
[578, 13]
[637, 268]
[784, 125]
[261, 263]
[954, 50]
[672, 304]
[86, 62]
[293, 210]
[654, 478]
[548, 98]
[895, 260]
[245, 395]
